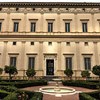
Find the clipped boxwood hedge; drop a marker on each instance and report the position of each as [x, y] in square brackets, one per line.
[11, 96]
[9, 93]
[85, 84]
[90, 96]
[22, 84]
[3, 94]
[84, 96]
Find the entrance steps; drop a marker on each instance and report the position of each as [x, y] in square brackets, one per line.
[50, 78]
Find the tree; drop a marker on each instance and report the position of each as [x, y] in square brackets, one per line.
[11, 70]
[68, 73]
[1, 70]
[30, 73]
[96, 70]
[85, 74]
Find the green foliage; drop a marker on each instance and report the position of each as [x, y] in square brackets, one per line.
[23, 84]
[3, 94]
[11, 96]
[85, 74]
[30, 73]
[79, 83]
[96, 70]
[68, 72]
[1, 70]
[84, 96]
[11, 70]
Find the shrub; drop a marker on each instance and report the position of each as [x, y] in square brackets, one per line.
[3, 94]
[85, 74]
[30, 73]
[69, 73]
[1, 70]
[84, 84]
[11, 70]
[11, 96]
[96, 70]
[83, 96]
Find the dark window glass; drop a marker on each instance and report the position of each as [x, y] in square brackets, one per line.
[68, 43]
[68, 62]
[86, 43]
[33, 27]
[84, 27]
[0, 26]
[13, 61]
[67, 27]
[31, 62]
[87, 63]
[32, 43]
[49, 43]
[50, 27]
[16, 24]
[14, 43]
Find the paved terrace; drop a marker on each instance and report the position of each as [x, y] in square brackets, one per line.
[65, 97]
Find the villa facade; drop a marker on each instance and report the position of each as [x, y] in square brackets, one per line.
[50, 37]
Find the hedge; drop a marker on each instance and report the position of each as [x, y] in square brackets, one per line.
[11, 96]
[16, 94]
[23, 84]
[90, 96]
[83, 96]
[3, 94]
[85, 84]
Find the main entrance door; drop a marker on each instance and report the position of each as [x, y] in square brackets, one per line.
[50, 67]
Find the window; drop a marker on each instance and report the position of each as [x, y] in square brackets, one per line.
[67, 43]
[0, 26]
[84, 27]
[32, 43]
[14, 43]
[86, 43]
[31, 62]
[67, 27]
[87, 63]
[16, 24]
[68, 62]
[33, 26]
[50, 27]
[13, 61]
[49, 43]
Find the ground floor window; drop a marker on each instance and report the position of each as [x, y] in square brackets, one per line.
[13, 61]
[87, 63]
[31, 62]
[68, 62]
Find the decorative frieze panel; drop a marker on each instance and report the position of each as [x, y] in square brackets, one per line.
[50, 10]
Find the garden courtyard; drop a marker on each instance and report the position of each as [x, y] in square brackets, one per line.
[64, 97]
[28, 88]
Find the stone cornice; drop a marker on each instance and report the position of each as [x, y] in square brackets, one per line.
[49, 4]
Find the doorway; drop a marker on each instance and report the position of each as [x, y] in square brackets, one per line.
[50, 67]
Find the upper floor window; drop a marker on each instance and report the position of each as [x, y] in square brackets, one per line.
[0, 26]
[67, 43]
[68, 62]
[67, 27]
[13, 61]
[14, 43]
[31, 62]
[16, 25]
[84, 27]
[33, 26]
[86, 43]
[32, 43]
[49, 43]
[87, 63]
[50, 27]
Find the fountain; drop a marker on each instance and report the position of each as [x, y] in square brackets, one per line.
[57, 90]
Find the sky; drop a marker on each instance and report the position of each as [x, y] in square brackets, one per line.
[49, 0]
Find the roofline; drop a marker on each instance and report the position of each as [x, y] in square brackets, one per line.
[50, 4]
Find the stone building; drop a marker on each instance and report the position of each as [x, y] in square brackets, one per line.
[50, 37]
